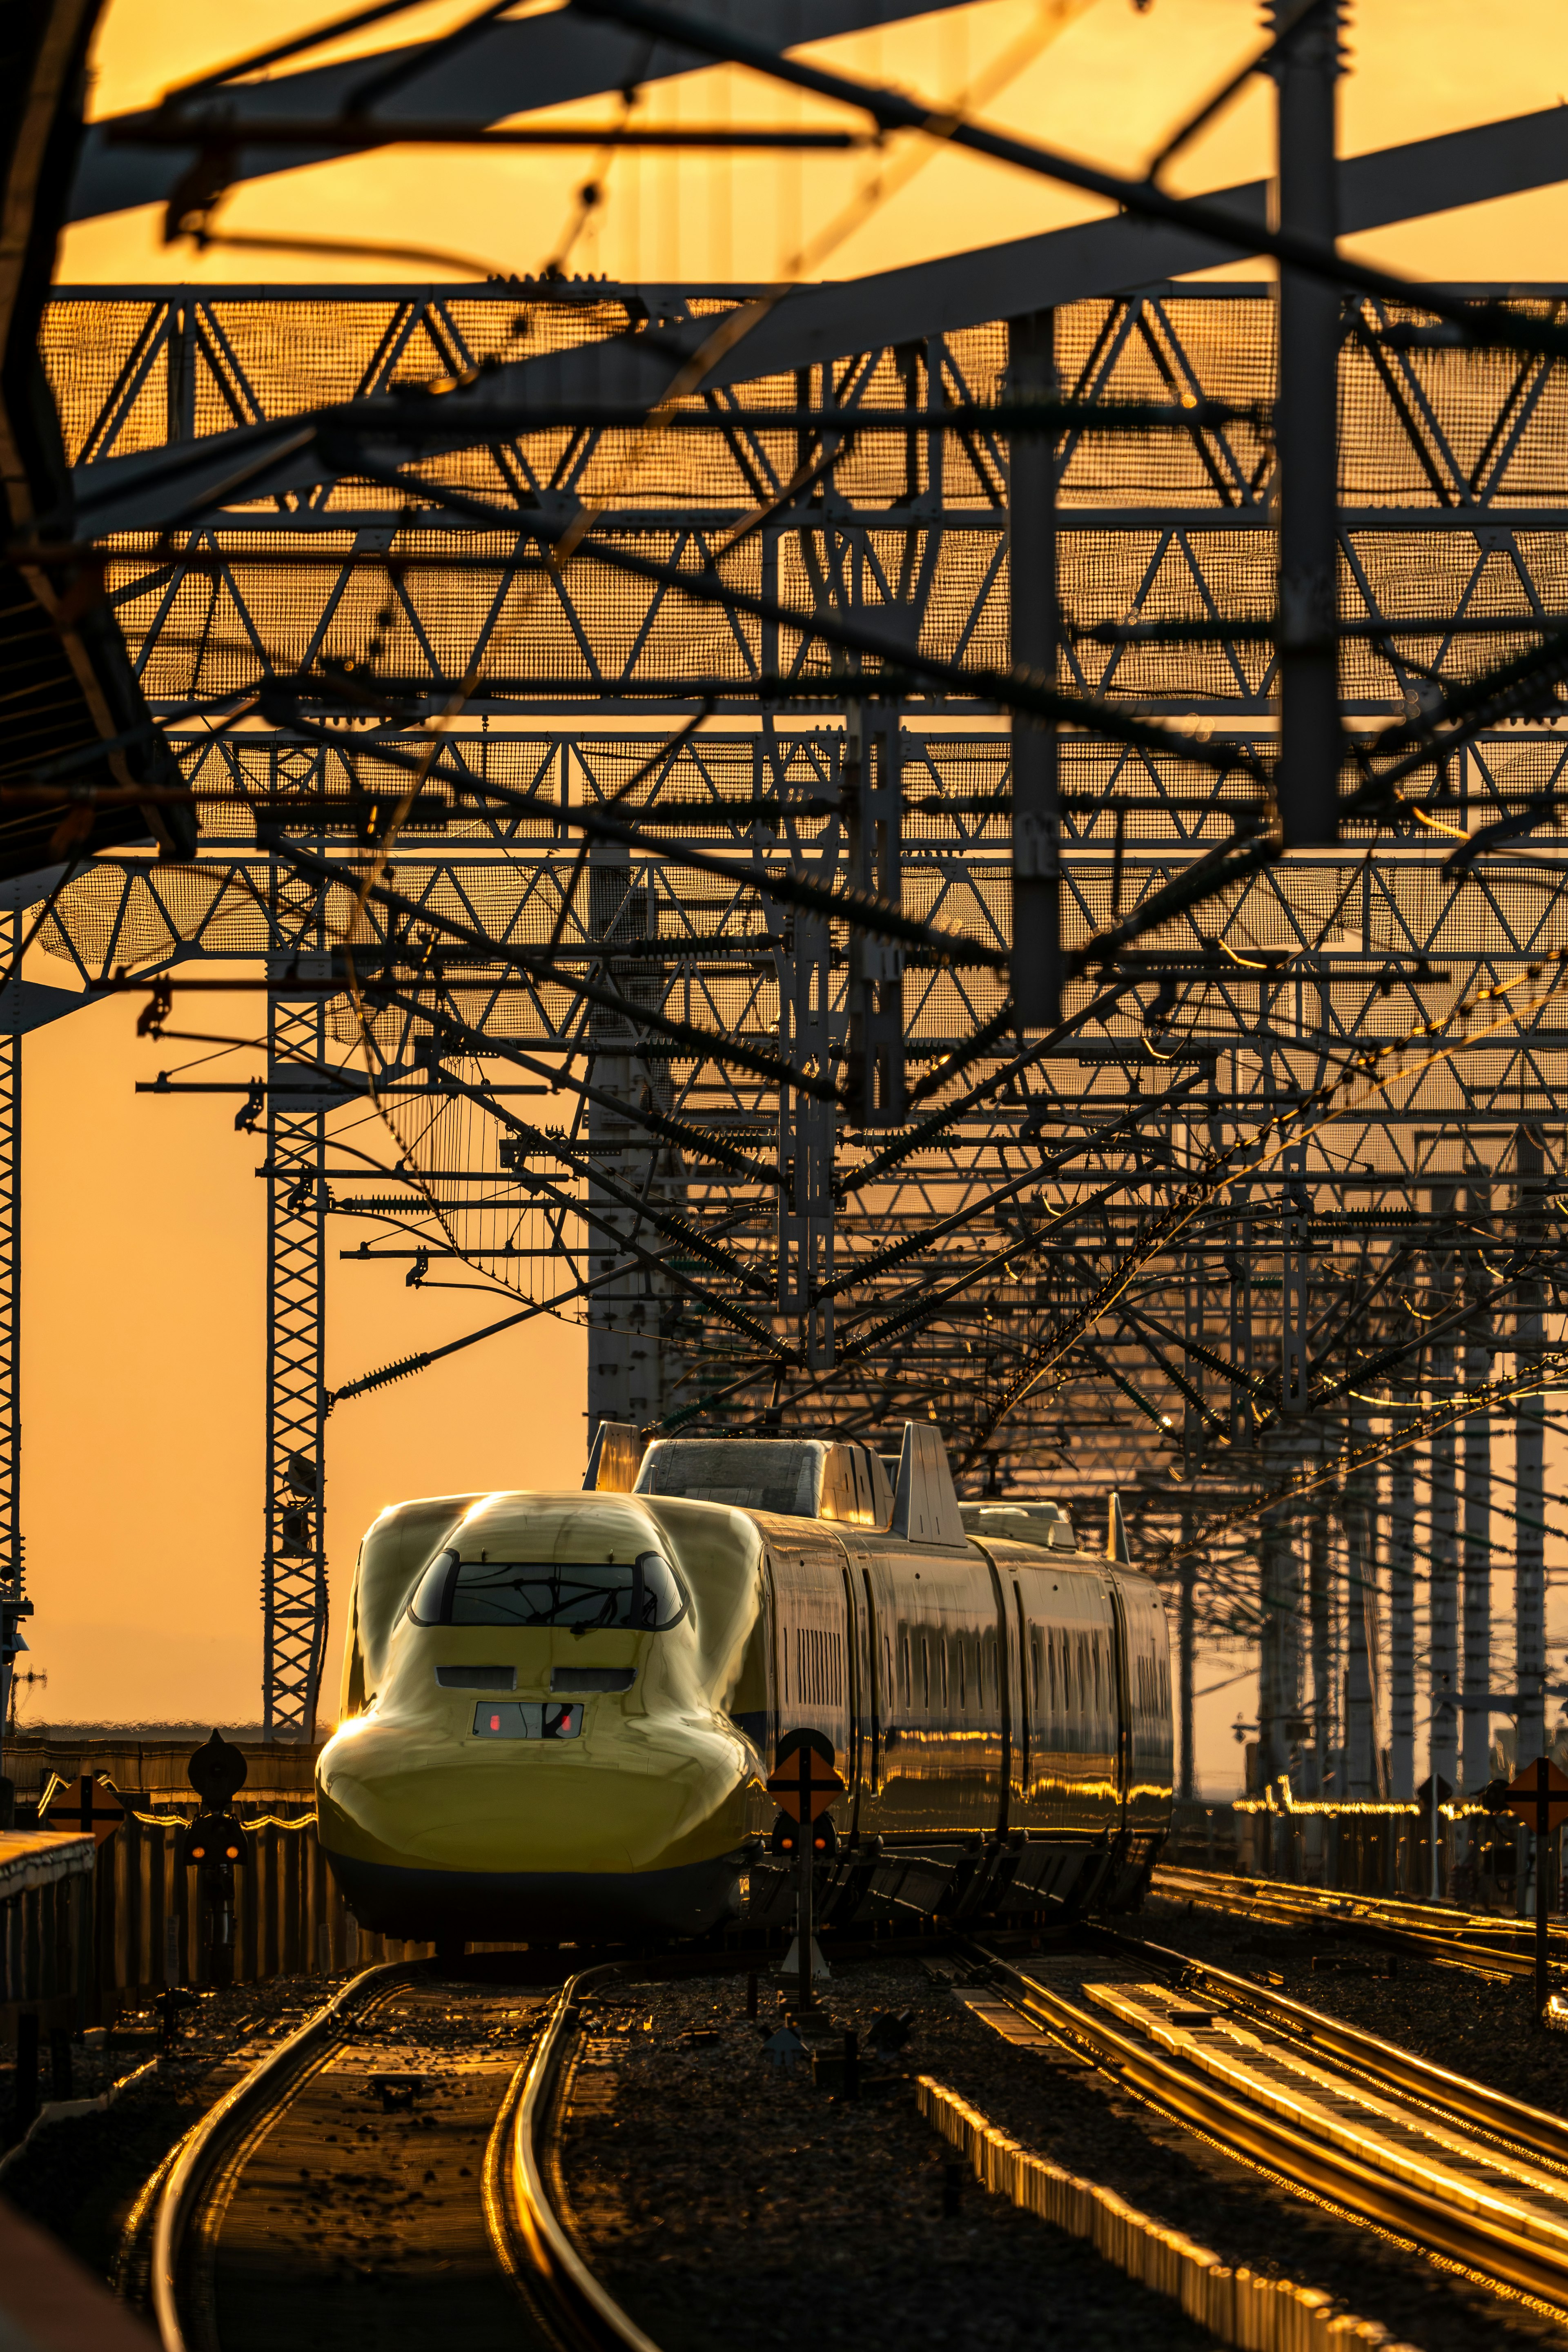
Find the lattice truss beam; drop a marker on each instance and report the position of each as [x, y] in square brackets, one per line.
[1026, 1238]
[1452, 486]
[986, 1231]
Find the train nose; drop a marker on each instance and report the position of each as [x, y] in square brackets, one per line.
[538, 1831]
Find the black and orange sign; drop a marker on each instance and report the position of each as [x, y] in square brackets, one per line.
[804, 1778]
[84, 1806]
[1524, 1794]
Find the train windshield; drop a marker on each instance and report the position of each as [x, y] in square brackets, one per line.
[645, 1595]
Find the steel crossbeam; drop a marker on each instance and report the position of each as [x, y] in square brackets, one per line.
[745, 1254]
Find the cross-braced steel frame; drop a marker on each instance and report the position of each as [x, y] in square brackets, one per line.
[815, 1169]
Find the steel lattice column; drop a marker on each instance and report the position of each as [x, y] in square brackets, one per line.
[1034, 626]
[294, 1591]
[1530, 1461]
[626, 1356]
[806, 1132]
[12, 1562]
[1311, 740]
[874, 799]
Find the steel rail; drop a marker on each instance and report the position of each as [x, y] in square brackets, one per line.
[1281, 2144]
[1468, 2102]
[527, 2232]
[1451, 1938]
[266, 2084]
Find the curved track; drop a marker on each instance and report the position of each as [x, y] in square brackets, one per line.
[521, 2207]
[1444, 2162]
[365, 2177]
[1479, 1942]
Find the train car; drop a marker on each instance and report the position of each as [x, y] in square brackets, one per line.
[559, 1710]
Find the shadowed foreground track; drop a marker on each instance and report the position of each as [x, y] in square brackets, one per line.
[375, 2181]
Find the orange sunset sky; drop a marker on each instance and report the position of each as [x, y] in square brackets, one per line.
[143, 1267]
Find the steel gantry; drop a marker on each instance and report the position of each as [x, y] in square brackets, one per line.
[850, 787]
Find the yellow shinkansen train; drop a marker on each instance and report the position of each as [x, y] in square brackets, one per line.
[559, 1710]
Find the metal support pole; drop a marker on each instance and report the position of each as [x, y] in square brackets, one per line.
[873, 796]
[1293, 1282]
[1271, 1753]
[1306, 428]
[1401, 1626]
[13, 1606]
[805, 1994]
[1319, 1618]
[294, 1576]
[1033, 632]
[1476, 1740]
[1186, 1644]
[1362, 1775]
[1442, 1634]
[1542, 1891]
[806, 1135]
[1529, 1455]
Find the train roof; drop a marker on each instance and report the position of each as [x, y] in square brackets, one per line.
[793, 1477]
[1030, 1523]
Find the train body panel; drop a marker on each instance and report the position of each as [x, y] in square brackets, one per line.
[567, 1705]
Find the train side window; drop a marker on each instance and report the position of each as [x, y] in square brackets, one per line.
[905, 1682]
[943, 1653]
[925, 1673]
[962, 1676]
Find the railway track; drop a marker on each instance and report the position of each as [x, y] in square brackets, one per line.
[1482, 1945]
[1445, 2163]
[387, 2171]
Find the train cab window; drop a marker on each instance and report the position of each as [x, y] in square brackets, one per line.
[643, 1595]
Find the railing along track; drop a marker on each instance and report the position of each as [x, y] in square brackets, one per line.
[1515, 2140]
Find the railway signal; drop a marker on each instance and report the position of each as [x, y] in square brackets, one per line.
[805, 1782]
[83, 1805]
[1539, 1796]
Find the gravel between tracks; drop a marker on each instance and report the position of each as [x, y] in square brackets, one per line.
[731, 2207]
[80, 2176]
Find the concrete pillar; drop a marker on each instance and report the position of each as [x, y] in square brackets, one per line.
[1475, 1769]
[1273, 1559]
[1323, 1780]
